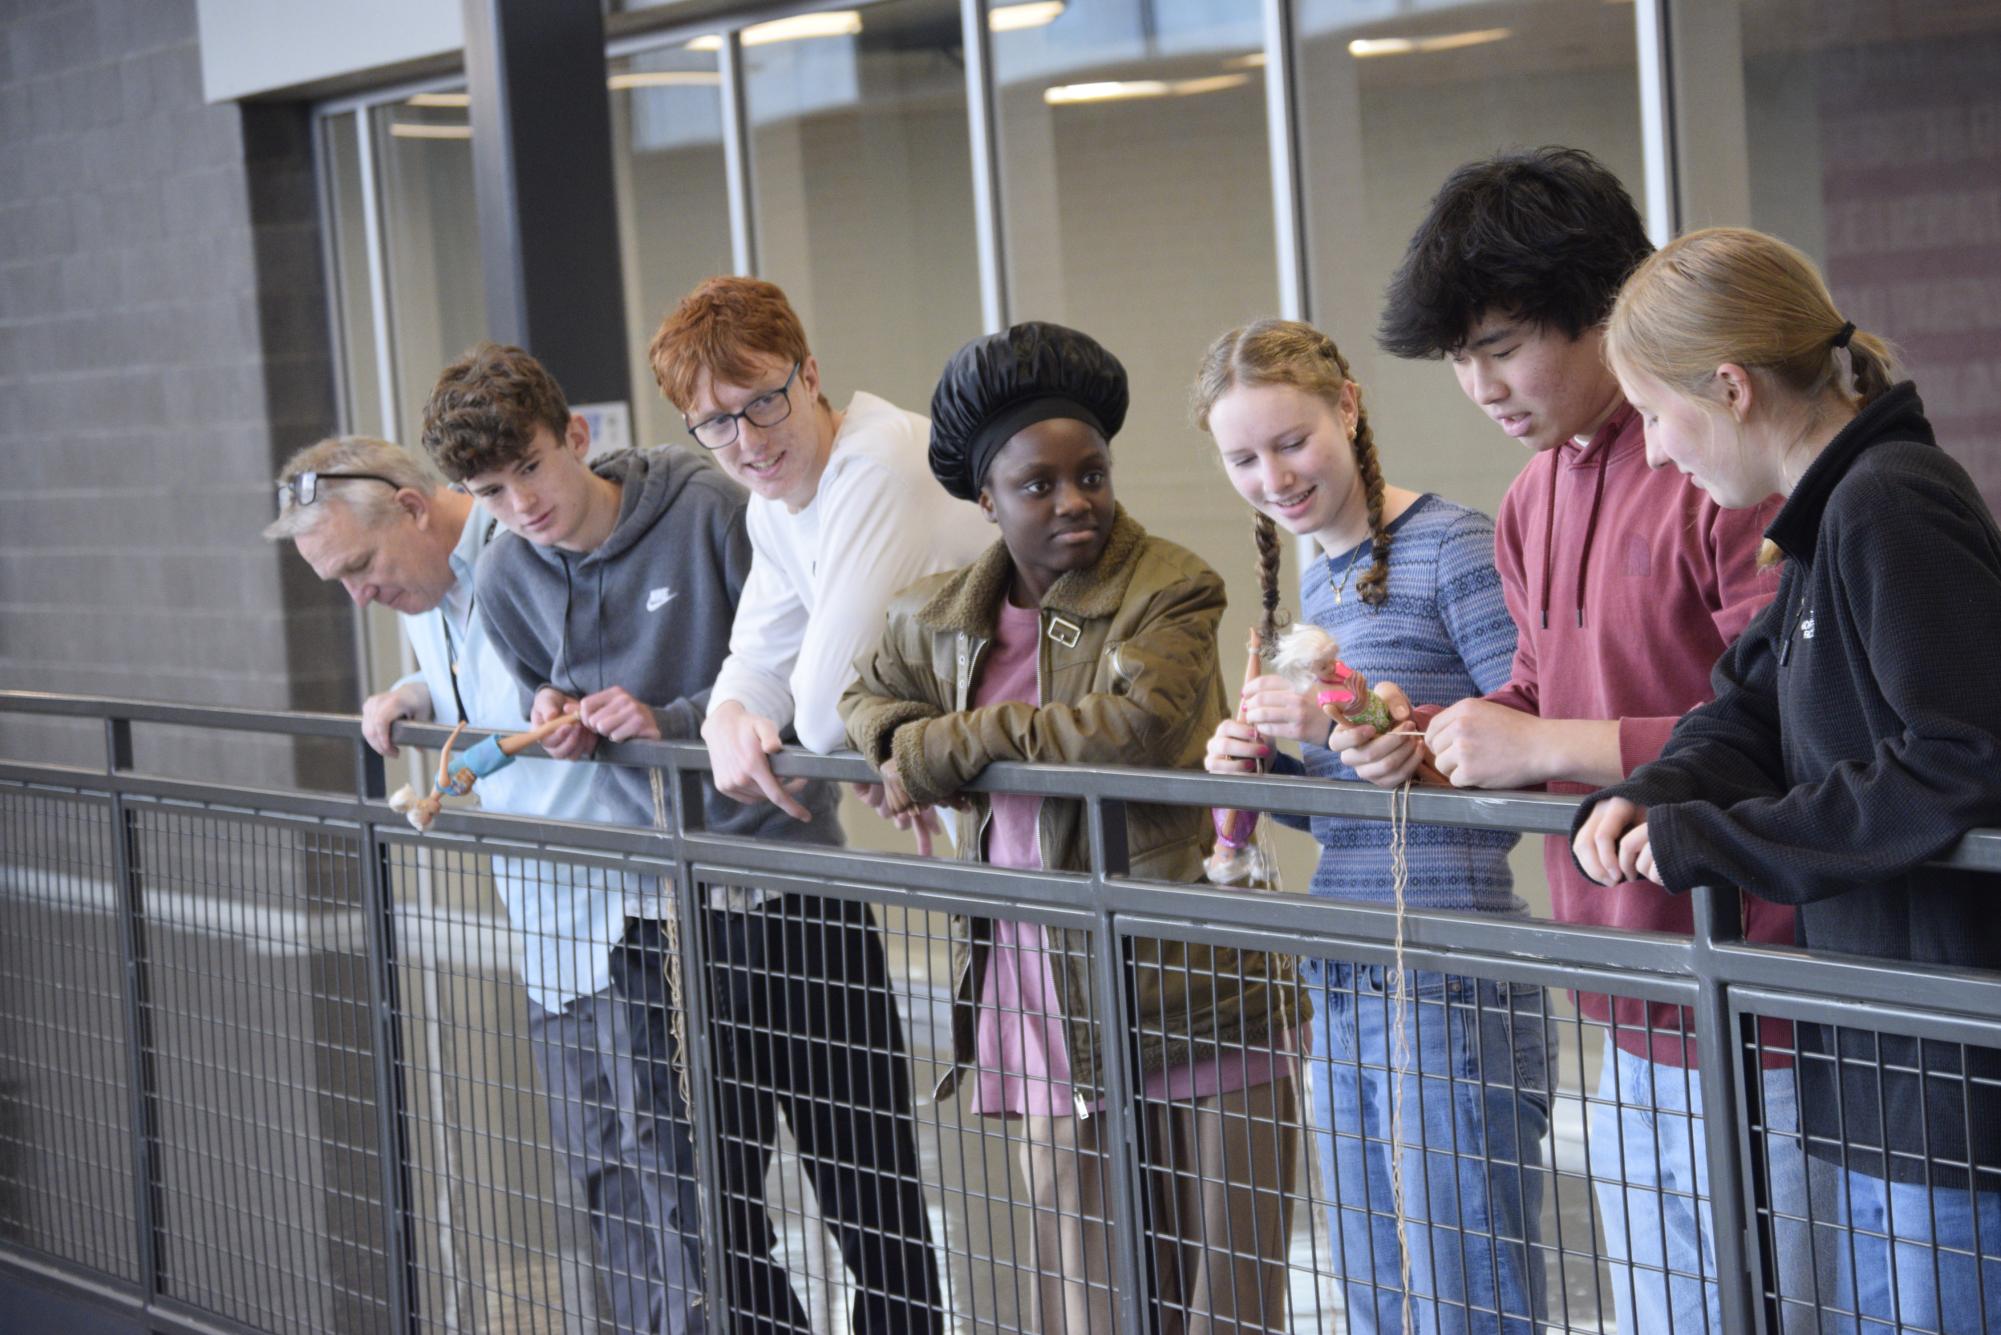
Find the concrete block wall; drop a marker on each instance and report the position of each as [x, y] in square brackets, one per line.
[163, 345]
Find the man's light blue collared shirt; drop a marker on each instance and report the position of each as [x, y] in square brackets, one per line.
[566, 919]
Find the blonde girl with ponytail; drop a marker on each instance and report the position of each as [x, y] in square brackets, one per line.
[1855, 736]
[1405, 583]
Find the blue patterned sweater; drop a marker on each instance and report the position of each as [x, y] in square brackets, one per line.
[1443, 634]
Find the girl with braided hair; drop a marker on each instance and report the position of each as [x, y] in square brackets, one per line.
[1405, 583]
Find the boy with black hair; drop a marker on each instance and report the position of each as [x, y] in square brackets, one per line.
[1626, 584]
[612, 595]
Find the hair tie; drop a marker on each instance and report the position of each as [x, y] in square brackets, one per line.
[1847, 332]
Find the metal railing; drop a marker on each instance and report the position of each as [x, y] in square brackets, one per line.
[268, 1067]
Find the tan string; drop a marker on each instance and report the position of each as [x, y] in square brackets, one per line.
[1399, 1034]
[672, 922]
[1268, 854]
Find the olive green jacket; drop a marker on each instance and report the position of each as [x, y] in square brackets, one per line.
[1128, 675]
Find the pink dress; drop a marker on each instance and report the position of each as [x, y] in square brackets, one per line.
[1022, 1059]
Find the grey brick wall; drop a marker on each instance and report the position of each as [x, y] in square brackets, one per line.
[163, 344]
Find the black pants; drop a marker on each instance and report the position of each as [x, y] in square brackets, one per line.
[805, 1022]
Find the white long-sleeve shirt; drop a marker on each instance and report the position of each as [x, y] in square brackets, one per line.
[821, 579]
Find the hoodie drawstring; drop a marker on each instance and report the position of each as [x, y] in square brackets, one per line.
[1549, 533]
[1590, 531]
[562, 660]
[1591, 526]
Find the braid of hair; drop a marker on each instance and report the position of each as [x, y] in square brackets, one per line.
[1372, 588]
[1270, 553]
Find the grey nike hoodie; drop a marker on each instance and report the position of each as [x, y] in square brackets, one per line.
[648, 609]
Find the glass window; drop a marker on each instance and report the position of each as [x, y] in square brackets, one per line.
[862, 191]
[382, 653]
[361, 390]
[1136, 185]
[430, 224]
[1393, 98]
[673, 203]
[1870, 137]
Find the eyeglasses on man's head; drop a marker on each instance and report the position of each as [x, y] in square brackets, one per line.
[304, 488]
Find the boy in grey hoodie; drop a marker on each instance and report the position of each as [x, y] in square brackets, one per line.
[612, 595]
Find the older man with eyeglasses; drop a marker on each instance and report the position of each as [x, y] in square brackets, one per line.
[375, 519]
[381, 522]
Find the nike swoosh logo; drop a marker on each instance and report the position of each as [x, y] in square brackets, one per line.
[659, 598]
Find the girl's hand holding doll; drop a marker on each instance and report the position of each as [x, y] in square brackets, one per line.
[1385, 759]
[1275, 709]
[1235, 748]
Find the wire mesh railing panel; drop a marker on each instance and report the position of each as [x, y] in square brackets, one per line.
[1216, 1037]
[818, 1181]
[1476, 1151]
[66, 1179]
[296, 1070]
[1440, 1144]
[545, 1183]
[980, 1200]
[1875, 1176]
[269, 1166]
[1648, 1158]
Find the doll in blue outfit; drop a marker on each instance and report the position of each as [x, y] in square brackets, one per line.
[1405, 583]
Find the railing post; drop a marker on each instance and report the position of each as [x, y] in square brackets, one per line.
[686, 811]
[1727, 1133]
[399, 1234]
[1122, 1078]
[143, 1086]
[371, 780]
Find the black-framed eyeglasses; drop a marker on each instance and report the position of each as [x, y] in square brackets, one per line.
[304, 488]
[766, 410]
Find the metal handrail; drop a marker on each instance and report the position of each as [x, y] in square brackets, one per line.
[1521, 811]
[1711, 970]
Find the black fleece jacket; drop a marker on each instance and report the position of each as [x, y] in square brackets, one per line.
[1856, 734]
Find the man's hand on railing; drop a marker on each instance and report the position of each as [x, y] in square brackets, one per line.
[380, 712]
[571, 743]
[741, 745]
[1612, 845]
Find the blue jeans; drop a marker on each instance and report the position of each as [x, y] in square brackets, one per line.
[1650, 1167]
[1476, 1112]
[1939, 1236]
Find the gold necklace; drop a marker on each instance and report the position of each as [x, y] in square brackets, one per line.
[1342, 587]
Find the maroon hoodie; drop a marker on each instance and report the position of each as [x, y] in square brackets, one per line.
[1626, 584]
